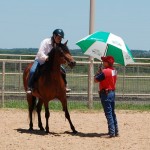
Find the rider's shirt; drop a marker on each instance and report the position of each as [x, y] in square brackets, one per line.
[45, 48]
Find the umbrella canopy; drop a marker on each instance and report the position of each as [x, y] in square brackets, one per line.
[101, 44]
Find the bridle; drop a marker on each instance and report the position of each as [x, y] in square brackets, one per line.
[62, 53]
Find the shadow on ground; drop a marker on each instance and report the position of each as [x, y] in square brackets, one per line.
[42, 133]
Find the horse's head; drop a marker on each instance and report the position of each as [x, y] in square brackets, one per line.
[63, 54]
[67, 55]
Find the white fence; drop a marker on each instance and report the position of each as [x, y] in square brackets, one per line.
[133, 80]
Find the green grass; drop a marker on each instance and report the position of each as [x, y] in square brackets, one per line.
[56, 106]
[141, 107]
[16, 104]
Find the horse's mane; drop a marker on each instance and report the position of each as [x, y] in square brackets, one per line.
[47, 66]
[51, 55]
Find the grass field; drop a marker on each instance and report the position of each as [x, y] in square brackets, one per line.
[81, 106]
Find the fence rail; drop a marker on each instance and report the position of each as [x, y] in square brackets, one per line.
[133, 80]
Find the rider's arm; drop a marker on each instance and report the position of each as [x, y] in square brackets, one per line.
[42, 50]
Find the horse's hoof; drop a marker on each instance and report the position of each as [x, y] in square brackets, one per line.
[30, 129]
[75, 132]
[47, 132]
[47, 129]
[41, 129]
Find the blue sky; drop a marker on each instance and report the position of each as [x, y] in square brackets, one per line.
[25, 23]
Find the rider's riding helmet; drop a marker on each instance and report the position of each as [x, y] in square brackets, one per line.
[59, 32]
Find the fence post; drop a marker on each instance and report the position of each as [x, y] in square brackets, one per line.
[124, 72]
[138, 73]
[3, 84]
[91, 69]
[90, 84]
[20, 69]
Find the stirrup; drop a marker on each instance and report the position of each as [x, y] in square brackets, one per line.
[68, 90]
[29, 91]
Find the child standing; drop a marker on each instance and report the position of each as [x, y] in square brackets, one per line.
[107, 83]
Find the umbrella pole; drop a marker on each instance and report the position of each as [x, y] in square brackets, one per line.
[106, 50]
[101, 64]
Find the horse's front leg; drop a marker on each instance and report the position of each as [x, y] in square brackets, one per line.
[67, 115]
[39, 108]
[47, 114]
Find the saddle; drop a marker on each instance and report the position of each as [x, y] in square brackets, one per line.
[42, 69]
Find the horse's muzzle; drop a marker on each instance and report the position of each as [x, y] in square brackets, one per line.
[72, 64]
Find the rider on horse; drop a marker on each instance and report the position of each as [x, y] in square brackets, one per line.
[45, 47]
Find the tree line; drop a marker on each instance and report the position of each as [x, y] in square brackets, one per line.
[74, 52]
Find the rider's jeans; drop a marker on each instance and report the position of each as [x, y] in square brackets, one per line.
[32, 71]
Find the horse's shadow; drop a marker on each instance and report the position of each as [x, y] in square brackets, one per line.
[36, 132]
[43, 133]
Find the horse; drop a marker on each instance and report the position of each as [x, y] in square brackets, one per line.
[49, 85]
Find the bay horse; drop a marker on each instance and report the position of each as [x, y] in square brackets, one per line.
[49, 85]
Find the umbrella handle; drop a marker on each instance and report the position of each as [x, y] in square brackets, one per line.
[99, 69]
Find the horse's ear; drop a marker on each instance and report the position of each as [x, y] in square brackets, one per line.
[66, 43]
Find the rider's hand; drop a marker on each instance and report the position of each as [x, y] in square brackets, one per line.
[99, 69]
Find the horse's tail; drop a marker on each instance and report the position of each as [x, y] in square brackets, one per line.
[34, 105]
[26, 76]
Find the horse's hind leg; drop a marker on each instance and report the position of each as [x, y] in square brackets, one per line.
[31, 105]
[39, 108]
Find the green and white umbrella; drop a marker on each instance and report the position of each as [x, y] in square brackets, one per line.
[101, 44]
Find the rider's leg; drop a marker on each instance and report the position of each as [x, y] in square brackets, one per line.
[32, 71]
[63, 73]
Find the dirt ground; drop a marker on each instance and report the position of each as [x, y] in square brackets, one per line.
[92, 127]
